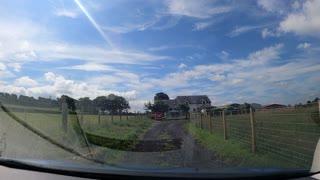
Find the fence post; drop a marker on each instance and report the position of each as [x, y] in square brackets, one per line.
[99, 118]
[253, 135]
[201, 124]
[81, 114]
[64, 109]
[25, 115]
[210, 126]
[319, 107]
[127, 115]
[224, 125]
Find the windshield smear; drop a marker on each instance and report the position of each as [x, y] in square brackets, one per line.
[209, 85]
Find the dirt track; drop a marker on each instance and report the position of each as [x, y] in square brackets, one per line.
[177, 149]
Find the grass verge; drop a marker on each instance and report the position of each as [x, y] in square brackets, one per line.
[234, 153]
[124, 130]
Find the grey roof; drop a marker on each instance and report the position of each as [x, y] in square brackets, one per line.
[196, 99]
[172, 103]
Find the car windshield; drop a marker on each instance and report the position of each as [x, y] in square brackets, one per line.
[179, 85]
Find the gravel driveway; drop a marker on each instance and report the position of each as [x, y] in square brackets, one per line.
[184, 152]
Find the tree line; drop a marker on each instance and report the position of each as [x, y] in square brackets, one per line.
[111, 104]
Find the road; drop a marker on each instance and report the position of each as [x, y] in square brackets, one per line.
[168, 144]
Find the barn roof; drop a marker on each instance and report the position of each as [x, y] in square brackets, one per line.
[195, 99]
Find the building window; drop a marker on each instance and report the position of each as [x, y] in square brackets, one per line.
[187, 103]
[203, 102]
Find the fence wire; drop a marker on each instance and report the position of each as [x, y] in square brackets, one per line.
[288, 133]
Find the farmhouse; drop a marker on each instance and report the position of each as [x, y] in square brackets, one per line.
[196, 102]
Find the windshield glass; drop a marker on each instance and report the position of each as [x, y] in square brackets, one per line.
[180, 84]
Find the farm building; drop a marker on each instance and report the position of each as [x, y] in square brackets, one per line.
[196, 102]
[273, 106]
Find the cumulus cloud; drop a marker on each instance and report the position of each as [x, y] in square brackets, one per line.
[25, 81]
[305, 21]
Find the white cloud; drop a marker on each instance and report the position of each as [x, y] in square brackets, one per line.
[49, 76]
[201, 25]
[296, 5]
[268, 33]
[273, 6]
[224, 53]
[306, 21]
[182, 66]
[26, 41]
[15, 66]
[160, 48]
[303, 45]
[90, 67]
[243, 29]
[3, 67]
[66, 13]
[197, 9]
[25, 81]
[58, 85]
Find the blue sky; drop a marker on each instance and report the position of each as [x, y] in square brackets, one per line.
[264, 51]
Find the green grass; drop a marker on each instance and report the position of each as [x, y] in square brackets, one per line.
[291, 135]
[234, 153]
[55, 109]
[121, 130]
[51, 125]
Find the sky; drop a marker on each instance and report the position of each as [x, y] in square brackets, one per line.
[264, 51]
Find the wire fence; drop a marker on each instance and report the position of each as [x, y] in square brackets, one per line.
[290, 134]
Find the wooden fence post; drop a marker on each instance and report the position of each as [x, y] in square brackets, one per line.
[25, 115]
[224, 125]
[127, 116]
[253, 135]
[210, 125]
[319, 107]
[99, 118]
[64, 109]
[201, 124]
[81, 114]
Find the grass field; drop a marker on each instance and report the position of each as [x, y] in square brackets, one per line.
[55, 109]
[290, 135]
[51, 125]
[235, 153]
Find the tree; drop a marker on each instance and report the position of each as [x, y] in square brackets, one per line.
[70, 102]
[161, 96]
[101, 103]
[121, 103]
[315, 100]
[158, 106]
[86, 105]
[184, 108]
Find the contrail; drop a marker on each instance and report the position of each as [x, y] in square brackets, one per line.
[95, 24]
